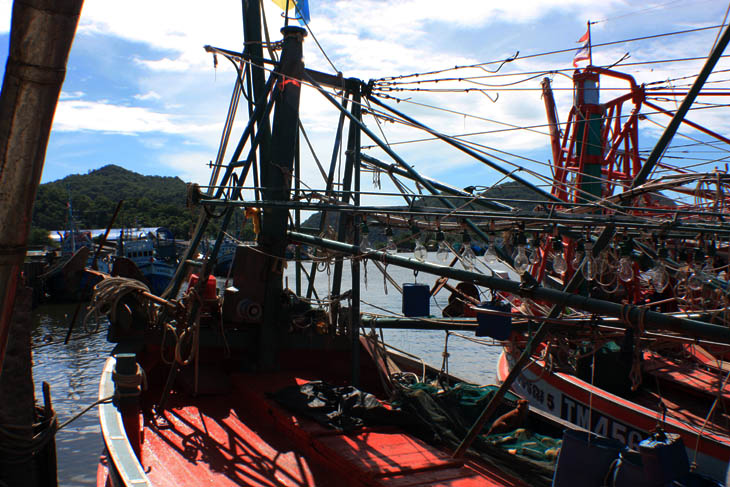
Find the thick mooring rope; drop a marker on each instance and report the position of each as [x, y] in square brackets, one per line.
[107, 294]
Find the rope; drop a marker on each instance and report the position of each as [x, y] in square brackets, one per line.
[136, 383]
[707, 418]
[15, 445]
[106, 297]
[85, 410]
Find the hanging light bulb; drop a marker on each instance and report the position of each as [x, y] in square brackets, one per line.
[658, 274]
[559, 264]
[420, 252]
[694, 281]
[535, 254]
[625, 269]
[659, 277]
[490, 256]
[467, 254]
[390, 246]
[578, 257]
[365, 244]
[443, 252]
[708, 270]
[625, 265]
[589, 264]
[521, 260]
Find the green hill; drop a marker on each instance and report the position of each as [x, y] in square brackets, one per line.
[149, 201]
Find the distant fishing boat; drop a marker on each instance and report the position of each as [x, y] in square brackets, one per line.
[136, 250]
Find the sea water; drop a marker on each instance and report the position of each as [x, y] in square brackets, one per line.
[73, 370]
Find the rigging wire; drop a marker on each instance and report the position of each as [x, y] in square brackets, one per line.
[647, 9]
[548, 181]
[571, 49]
[511, 126]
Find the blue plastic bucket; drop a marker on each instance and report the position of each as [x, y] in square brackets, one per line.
[416, 299]
[630, 471]
[664, 458]
[495, 326]
[585, 463]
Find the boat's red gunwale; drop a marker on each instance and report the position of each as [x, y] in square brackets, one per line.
[122, 456]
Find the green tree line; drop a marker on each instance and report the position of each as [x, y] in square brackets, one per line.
[149, 201]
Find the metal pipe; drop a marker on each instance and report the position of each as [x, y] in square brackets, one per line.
[631, 314]
[463, 148]
[667, 227]
[492, 205]
[425, 183]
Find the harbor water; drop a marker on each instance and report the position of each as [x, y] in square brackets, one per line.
[73, 370]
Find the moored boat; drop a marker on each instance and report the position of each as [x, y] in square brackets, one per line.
[684, 410]
[139, 250]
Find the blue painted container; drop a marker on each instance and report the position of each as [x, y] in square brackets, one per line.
[497, 327]
[664, 458]
[585, 463]
[630, 471]
[416, 299]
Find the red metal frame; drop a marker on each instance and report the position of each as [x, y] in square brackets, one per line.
[619, 140]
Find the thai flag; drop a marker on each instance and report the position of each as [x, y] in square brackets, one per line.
[583, 53]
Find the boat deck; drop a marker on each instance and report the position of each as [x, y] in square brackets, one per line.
[245, 438]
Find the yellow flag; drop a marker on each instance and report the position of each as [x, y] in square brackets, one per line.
[282, 4]
[300, 7]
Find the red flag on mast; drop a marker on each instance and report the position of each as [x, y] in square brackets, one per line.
[584, 53]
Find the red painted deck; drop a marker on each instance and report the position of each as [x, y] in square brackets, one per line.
[244, 438]
[687, 375]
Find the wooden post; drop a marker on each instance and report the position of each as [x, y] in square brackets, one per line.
[17, 407]
[40, 40]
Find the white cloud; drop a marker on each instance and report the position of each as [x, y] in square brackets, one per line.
[150, 95]
[74, 95]
[190, 166]
[6, 8]
[77, 115]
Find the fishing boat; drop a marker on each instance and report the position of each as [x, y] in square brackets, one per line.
[136, 257]
[230, 388]
[66, 280]
[623, 379]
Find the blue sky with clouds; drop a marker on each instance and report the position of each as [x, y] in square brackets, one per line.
[141, 93]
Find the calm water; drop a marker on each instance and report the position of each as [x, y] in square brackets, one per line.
[73, 370]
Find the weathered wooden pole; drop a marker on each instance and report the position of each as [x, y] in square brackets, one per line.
[17, 411]
[41, 34]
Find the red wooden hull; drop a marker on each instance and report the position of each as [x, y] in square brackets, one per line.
[580, 403]
[245, 438]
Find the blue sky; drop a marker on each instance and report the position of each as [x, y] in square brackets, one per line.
[141, 93]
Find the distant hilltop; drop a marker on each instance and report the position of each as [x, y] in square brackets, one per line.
[149, 201]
